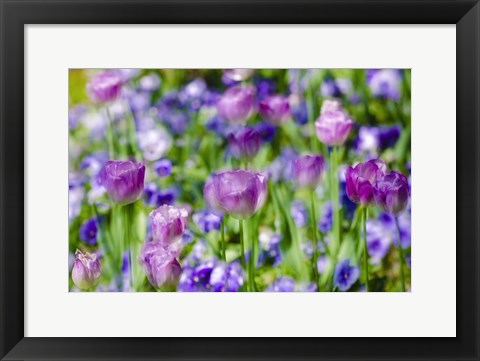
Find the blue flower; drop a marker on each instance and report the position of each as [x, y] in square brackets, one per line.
[345, 275]
[269, 250]
[150, 192]
[299, 111]
[325, 222]
[88, 231]
[226, 278]
[207, 221]
[267, 131]
[212, 275]
[282, 284]
[385, 83]
[380, 235]
[163, 167]
[299, 213]
[281, 167]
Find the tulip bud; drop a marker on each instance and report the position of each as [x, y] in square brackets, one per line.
[104, 87]
[239, 193]
[168, 225]
[236, 104]
[308, 170]
[334, 124]
[392, 192]
[162, 269]
[244, 143]
[123, 180]
[86, 270]
[275, 108]
[361, 179]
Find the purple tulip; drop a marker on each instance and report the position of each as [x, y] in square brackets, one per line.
[361, 179]
[308, 170]
[236, 104]
[275, 108]
[392, 192]
[86, 270]
[168, 225]
[123, 180]
[104, 87]
[236, 75]
[159, 263]
[334, 124]
[239, 193]
[345, 275]
[244, 143]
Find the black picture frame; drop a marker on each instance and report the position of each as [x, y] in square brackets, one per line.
[15, 14]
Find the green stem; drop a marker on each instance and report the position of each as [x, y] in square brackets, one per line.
[128, 233]
[224, 245]
[335, 200]
[111, 148]
[242, 250]
[251, 261]
[400, 252]
[365, 250]
[315, 243]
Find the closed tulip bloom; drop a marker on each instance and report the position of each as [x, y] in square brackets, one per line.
[334, 124]
[123, 180]
[308, 170]
[244, 143]
[239, 193]
[361, 179]
[104, 87]
[275, 108]
[236, 104]
[168, 225]
[86, 270]
[238, 74]
[392, 192]
[160, 265]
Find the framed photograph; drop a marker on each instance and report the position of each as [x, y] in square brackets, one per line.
[206, 180]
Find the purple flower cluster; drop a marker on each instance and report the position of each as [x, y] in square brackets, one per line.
[287, 284]
[368, 182]
[212, 275]
[159, 257]
[207, 220]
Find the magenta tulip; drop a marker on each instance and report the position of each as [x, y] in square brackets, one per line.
[361, 179]
[275, 109]
[392, 192]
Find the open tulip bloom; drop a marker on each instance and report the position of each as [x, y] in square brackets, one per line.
[239, 180]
